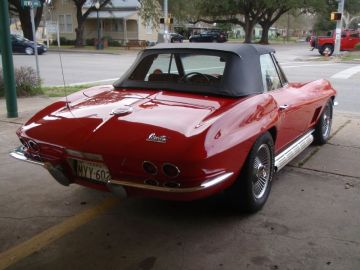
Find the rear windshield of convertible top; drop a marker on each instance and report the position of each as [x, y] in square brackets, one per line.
[181, 69]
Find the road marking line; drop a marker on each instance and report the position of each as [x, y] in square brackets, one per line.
[43, 239]
[319, 65]
[347, 73]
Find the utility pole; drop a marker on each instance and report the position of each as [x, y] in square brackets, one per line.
[7, 61]
[34, 39]
[338, 28]
[166, 23]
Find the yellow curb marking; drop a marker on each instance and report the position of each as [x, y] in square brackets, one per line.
[39, 241]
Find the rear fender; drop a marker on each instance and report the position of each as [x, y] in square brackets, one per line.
[233, 134]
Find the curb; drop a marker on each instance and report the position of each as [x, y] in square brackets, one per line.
[120, 52]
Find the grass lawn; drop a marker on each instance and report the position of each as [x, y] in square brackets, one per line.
[354, 55]
[61, 91]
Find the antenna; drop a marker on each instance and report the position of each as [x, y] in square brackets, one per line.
[62, 68]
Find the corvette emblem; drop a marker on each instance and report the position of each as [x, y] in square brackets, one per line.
[154, 138]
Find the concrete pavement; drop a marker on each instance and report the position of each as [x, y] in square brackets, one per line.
[311, 220]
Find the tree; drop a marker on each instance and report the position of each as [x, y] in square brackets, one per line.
[276, 8]
[82, 16]
[24, 16]
[247, 13]
[351, 14]
[150, 11]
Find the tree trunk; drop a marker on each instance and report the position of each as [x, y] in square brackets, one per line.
[248, 28]
[25, 20]
[265, 34]
[79, 30]
[79, 42]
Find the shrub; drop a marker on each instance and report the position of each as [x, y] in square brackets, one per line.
[90, 42]
[63, 41]
[357, 47]
[27, 83]
[114, 43]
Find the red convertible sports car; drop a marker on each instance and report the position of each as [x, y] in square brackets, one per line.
[185, 122]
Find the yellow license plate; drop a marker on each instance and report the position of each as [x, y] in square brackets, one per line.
[92, 170]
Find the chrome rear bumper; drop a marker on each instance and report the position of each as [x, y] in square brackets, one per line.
[205, 185]
[116, 185]
[19, 154]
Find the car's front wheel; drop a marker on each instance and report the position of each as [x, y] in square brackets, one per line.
[323, 126]
[252, 189]
[29, 50]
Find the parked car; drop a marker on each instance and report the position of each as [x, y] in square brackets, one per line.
[175, 37]
[185, 122]
[326, 44]
[209, 36]
[23, 45]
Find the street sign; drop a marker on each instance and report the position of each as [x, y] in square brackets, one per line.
[31, 3]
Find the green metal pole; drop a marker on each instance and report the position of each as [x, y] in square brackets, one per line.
[7, 61]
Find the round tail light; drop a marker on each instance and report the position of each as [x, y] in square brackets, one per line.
[150, 167]
[170, 170]
[34, 146]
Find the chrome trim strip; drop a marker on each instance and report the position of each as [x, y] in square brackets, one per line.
[82, 155]
[293, 150]
[19, 154]
[207, 184]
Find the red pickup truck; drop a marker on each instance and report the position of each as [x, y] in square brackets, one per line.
[349, 38]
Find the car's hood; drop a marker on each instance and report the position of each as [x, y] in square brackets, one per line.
[121, 117]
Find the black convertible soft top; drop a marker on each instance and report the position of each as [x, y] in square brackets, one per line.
[243, 50]
[243, 73]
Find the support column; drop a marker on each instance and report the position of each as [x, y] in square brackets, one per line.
[7, 61]
[338, 28]
[125, 31]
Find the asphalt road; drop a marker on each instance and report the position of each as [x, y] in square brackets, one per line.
[300, 65]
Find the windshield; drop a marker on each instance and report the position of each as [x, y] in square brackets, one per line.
[20, 38]
[176, 71]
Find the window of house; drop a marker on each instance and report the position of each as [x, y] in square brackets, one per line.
[355, 35]
[270, 77]
[116, 25]
[65, 23]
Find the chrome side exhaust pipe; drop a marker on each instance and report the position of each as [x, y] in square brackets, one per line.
[293, 150]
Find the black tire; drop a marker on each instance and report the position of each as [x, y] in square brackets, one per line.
[251, 190]
[29, 50]
[328, 47]
[323, 126]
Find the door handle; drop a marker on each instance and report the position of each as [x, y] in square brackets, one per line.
[283, 107]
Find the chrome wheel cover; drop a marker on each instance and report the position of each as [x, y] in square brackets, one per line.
[29, 50]
[326, 124]
[261, 171]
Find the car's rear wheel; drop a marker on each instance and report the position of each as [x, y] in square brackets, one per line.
[323, 127]
[252, 189]
[327, 49]
[29, 50]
